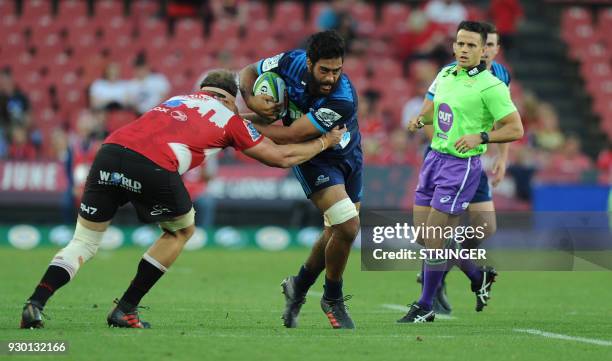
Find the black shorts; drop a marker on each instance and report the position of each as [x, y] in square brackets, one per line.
[119, 175]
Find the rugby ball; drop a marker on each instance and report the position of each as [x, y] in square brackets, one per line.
[272, 84]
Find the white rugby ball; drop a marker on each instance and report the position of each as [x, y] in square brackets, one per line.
[272, 84]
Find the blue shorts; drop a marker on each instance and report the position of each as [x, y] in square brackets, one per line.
[483, 192]
[318, 174]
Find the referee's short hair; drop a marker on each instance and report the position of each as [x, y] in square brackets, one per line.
[474, 27]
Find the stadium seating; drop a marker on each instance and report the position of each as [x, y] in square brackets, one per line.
[589, 45]
[67, 50]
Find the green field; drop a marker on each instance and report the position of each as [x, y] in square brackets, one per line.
[226, 305]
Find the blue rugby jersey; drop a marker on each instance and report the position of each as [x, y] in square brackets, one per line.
[324, 112]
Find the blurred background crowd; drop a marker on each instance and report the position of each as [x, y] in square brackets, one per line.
[72, 71]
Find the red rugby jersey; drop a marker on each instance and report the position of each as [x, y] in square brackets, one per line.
[179, 133]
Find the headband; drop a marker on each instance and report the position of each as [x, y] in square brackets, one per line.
[227, 95]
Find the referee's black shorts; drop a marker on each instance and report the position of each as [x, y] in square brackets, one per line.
[119, 175]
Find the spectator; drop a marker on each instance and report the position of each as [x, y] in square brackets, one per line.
[399, 151]
[412, 108]
[14, 104]
[337, 17]
[506, 14]
[20, 148]
[84, 144]
[196, 182]
[604, 164]
[421, 40]
[175, 9]
[568, 163]
[448, 13]
[109, 92]
[522, 172]
[372, 129]
[147, 89]
[63, 153]
[548, 136]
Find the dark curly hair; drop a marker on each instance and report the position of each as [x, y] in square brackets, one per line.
[325, 45]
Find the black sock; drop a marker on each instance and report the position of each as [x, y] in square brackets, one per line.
[305, 279]
[54, 278]
[332, 289]
[146, 276]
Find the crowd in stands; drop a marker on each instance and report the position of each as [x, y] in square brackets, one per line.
[72, 71]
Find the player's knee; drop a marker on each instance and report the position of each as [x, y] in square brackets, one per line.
[181, 228]
[348, 230]
[83, 246]
[185, 234]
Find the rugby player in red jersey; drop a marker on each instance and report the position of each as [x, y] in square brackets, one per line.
[142, 163]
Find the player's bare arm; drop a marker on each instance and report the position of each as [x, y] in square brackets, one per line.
[289, 155]
[255, 118]
[499, 168]
[510, 129]
[262, 104]
[300, 130]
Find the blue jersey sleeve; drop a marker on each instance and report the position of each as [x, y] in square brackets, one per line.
[501, 73]
[277, 64]
[330, 114]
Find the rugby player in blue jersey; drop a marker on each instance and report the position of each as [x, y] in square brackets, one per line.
[321, 97]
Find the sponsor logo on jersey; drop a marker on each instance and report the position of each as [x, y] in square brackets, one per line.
[119, 180]
[321, 179]
[158, 210]
[179, 115]
[445, 117]
[445, 199]
[346, 138]
[255, 135]
[327, 116]
[271, 63]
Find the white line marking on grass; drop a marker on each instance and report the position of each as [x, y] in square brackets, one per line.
[564, 337]
[405, 309]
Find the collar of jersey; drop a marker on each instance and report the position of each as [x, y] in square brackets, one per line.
[471, 72]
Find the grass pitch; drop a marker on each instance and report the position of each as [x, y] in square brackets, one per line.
[225, 305]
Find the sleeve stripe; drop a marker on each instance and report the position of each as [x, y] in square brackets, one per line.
[315, 123]
[429, 96]
[259, 67]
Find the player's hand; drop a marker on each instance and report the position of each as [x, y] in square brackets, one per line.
[415, 124]
[499, 171]
[333, 137]
[468, 142]
[265, 106]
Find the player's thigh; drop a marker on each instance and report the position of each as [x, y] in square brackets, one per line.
[160, 195]
[325, 198]
[101, 196]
